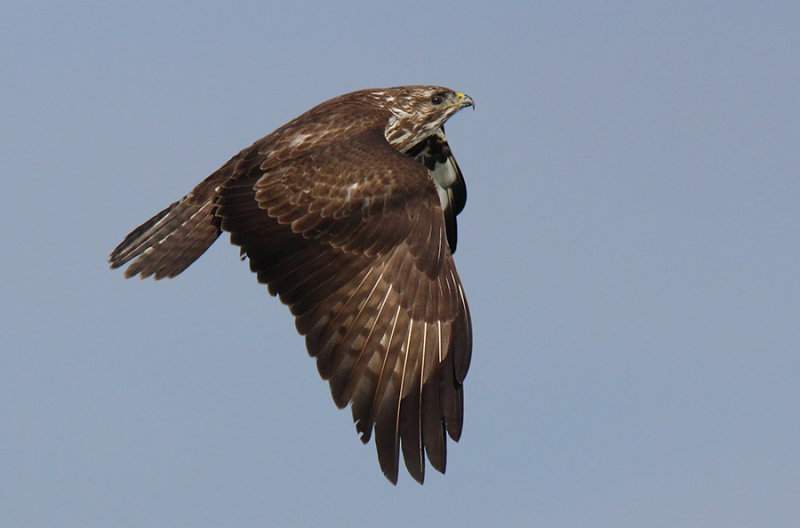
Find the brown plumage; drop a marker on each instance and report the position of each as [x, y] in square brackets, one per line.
[347, 213]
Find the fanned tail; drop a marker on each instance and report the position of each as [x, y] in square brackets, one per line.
[169, 242]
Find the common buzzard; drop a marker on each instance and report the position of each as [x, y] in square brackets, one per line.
[348, 214]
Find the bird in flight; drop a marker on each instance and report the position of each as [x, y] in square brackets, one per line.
[348, 214]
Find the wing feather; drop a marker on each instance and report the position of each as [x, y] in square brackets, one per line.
[353, 239]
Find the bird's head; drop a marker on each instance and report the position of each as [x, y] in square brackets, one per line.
[417, 111]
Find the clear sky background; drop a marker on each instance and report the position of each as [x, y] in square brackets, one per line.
[630, 250]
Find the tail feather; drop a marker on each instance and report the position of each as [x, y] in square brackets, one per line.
[169, 242]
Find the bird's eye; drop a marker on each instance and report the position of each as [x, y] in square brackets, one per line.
[437, 99]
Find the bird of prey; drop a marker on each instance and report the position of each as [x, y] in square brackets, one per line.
[348, 214]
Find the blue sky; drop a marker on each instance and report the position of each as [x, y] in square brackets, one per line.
[629, 250]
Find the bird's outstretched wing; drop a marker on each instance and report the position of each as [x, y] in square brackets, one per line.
[352, 238]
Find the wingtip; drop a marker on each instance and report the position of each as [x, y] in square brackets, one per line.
[391, 477]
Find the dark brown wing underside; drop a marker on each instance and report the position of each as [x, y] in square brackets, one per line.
[371, 281]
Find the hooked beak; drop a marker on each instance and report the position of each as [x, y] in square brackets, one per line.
[463, 100]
